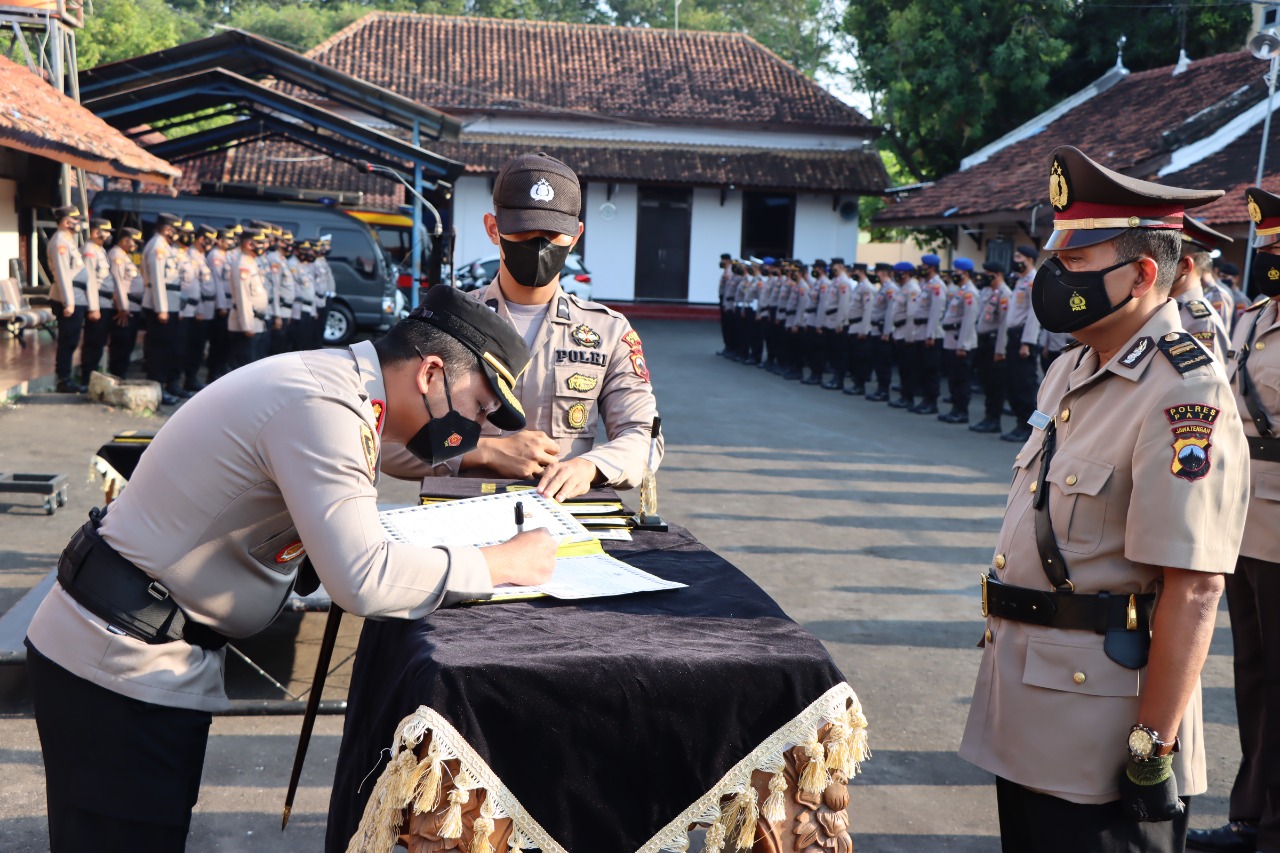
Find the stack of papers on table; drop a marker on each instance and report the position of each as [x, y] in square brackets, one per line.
[583, 569]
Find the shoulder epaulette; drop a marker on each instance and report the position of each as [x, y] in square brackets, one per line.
[1183, 351]
[1198, 309]
[588, 305]
[1260, 303]
[1073, 345]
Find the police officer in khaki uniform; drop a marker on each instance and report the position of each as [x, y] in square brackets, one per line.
[246, 324]
[1253, 591]
[960, 330]
[1134, 482]
[882, 354]
[858, 331]
[1018, 345]
[68, 296]
[99, 292]
[203, 313]
[929, 334]
[216, 260]
[126, 652]
[1198, 316]
[126, 301]
[162, 302]
[991, 373]
[587, 362]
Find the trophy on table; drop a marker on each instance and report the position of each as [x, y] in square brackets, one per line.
[648, 518]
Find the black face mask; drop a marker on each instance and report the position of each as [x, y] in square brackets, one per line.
[1019, 266]
[533, 263]
[444, 437]
[1066, 301]
[1266, 274]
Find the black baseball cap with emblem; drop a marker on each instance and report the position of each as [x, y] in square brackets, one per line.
[163, 219]
[103, 225]
[1264, 211]
[1093, 204]
[132, 233]
[67, 210]
[1198, 237]
[499, 348]
[537, 192]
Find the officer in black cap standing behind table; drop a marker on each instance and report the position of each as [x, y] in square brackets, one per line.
[126, 301]
[1018, 345]
[1087, 703]
[99, 291]
[1198, 317]
[126, 653]
[1253, 590]
[67, 296]
[993, 307]
[161, 303]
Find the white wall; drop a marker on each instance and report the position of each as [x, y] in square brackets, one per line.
[820, 232]
[611, 243]
[715, 229]
[9, 240]
[472, 199]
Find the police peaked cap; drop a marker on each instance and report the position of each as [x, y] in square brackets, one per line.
[1200, 237]
[1264, 212]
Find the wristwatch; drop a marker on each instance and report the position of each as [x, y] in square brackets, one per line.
[1145, 743]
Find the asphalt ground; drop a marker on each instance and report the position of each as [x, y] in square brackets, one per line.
[868, 525]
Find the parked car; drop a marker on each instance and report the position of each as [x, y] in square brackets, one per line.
[363, 274]
[575, 278]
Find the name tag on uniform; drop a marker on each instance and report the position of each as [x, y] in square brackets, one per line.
[1038, 419]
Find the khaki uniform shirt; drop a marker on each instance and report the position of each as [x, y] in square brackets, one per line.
[882, 308]
[995, 305]
[206, 289]
[99, 286]
[727, 290]
[1219, 299]
[160, 276]
[325, 285]
[962, 311]
[304, 296]
[189, 281]
[904, 312]
[1051, 711]
[280, 285]
[796, 306]
[860, 305]
[288, 461]
[66, 266]
[248, 294]
[221, 271]
[810, 297]
[932, 305]
[587, 363]
[1203, 322]
[1020, 315]
[1262, 529]
[127, 279]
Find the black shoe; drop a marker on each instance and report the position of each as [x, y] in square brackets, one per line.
[895, 388]
[1234, 836]
[988, 425]
[856, 390]
[946, 399]
[926, 409]
[751, 362]
[877, 397]
[793, 374]
[832, 385]
[1018, 434]
[810, 380]
[66, 386]
[167, 399]
[954, 418]
[902, 403]
[1010, 412]
[194, 387]
[179, 392]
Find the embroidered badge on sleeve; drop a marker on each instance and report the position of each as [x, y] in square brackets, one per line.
[1192, 429]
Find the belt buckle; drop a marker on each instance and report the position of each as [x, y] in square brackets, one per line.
[157, 591]
[985, 609]
[1131, 614]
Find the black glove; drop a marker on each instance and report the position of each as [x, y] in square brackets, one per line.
[1149, 791]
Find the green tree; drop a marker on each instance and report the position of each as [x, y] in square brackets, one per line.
[119, 29]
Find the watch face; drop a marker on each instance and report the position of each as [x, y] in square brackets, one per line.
[1141, 742]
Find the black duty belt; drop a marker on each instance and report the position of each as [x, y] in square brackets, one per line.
[284, 304]
[879, 324]
[854, 320]
[1264, 449]
[188, 301]
[920, 321]
[986, 336]
[950, 327]
[898, 324]
[127, 598]
[1125, 621]
[259, 315]
[80, 285]
[173, 288]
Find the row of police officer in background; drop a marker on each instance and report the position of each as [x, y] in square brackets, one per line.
[187, 288]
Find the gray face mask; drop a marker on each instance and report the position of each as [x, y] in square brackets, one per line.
[533, 263]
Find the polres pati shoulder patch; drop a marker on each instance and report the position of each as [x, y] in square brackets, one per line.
[1192, 429]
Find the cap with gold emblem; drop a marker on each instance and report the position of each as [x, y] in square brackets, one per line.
[1198, 237]
[131, 233]
[1092, 204]
[68, 211]
[103, 225]
[1264, 211]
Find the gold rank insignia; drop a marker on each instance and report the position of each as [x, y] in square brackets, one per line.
[1255, 212]
[1077, 302]
[1059, 187]
[585, 336]
[577, 416]
[581, 382]
[1273, 273]
[379, 409]
[370, 445]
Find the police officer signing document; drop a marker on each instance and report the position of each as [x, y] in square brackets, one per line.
[1127, 507]
[126, 652]
[586, 361]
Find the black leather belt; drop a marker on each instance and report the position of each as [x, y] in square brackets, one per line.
[986, 336]
[950, 327]
[1264, 449]
[123, 595]
[898, 324]
[1076, 611]
[80, 285]
[173, 288]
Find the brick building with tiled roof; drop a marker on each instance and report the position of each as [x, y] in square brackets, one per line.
[690, 144]
[1198, 126]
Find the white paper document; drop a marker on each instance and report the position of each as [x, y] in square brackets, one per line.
[590, 576]
[486, 520]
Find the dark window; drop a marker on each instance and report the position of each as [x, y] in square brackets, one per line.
[768, 224]
[354, 249]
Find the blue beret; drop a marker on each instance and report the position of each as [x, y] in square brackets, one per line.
[963, 264]
[770, 261]
[931, 261]
[903, 266]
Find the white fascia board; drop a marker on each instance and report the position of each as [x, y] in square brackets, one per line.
[1046, 118]
[1189, 155]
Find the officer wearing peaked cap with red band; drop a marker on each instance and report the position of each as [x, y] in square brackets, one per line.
[1253, 590]
[1087, 702]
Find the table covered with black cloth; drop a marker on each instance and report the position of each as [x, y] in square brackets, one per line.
[605, 718]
